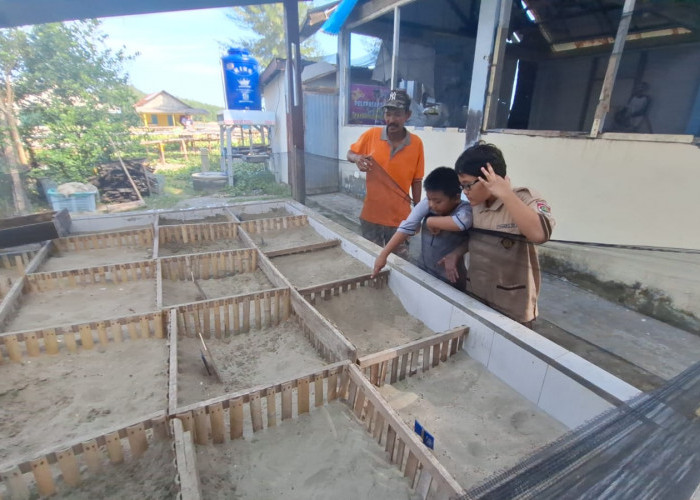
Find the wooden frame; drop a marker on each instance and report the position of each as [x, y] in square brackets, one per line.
[95, 241]
[407, 360]
[257, 226]
[209, 265]
[115, 273]
[183, 234]
[15, 346]
[334, 288]
[87, 456]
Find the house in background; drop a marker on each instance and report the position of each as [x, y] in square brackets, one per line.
[161, 109]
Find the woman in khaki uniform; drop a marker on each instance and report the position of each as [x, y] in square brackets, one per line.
[504, 270]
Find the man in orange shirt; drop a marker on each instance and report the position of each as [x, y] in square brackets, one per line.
[392, 159]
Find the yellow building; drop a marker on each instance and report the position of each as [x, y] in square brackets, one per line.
[161, 109]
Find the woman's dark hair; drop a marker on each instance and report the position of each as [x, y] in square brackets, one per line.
[443, 179]
[477, 156]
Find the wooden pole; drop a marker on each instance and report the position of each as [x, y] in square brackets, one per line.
[126, 171]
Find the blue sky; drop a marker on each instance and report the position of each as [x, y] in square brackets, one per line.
[180, 52]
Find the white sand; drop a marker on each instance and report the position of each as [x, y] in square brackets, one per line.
[245, 360]
[326, 454]
[78, 259]
[183, 292]
[480, 424]
[272, 213]
[151, 476]
[83, 304]
[322, 266]
[290, 237]
[51, 400]
[373, 319]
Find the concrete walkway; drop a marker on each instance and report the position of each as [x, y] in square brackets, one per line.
[638, 349]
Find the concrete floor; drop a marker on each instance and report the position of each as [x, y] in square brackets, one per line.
[636, 348]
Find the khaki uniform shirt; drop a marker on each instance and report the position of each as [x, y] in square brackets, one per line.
[504, 271]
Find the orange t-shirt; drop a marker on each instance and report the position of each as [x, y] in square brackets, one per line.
[387, 201]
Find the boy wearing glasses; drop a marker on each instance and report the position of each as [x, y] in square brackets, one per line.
[504, 270]
[392, 159]
[444, 219]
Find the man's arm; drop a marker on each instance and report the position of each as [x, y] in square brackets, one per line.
[363, 162]
[416, 191]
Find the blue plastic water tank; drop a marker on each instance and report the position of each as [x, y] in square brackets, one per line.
[242, 80]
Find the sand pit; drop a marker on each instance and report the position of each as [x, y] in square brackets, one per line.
[244, 360]
[480, 425]
[275, 212]
[280, 239]
[50, 400]
[78, 259]
[151, 476]
[183, 292]
[315, 268]
[200, 247]
[326, 454]
[174, 220]
[373, 319]
[83, 304]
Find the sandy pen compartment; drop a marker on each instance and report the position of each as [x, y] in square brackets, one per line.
[13, 264]
[196, 277]
[81, 295]
[399, 362]
[242, 414]
[98, 249]
[117, 463]
[257, 210]
[199, 238]
[278, 233]
[252, 319]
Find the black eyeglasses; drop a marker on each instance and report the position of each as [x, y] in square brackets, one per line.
[467, 187]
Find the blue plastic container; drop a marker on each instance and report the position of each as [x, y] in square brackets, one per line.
[76, 202]
[242, 80]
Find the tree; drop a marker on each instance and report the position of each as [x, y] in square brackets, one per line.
[267, 22]
[75, 99]
[63, 99]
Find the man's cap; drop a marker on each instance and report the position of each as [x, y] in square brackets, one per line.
[398, 98]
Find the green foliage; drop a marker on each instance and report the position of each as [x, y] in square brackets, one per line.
[267, 22]
[72, 95]
[255, 179]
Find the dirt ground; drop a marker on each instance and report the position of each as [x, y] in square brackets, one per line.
[244, 360]
[291, 237]
[152, 476]
[274, 212]
[200, 247]
[480, 424]
[83, 304]
[325, 454]
[372, 319]
[183, 292]
[51, 400]
[92, 258]
[315, 268]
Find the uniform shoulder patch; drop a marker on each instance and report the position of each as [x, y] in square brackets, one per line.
[543, 207]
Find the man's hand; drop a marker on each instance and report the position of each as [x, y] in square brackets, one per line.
[497, 185]
[379, 264]
[450, 261]
[365, 163]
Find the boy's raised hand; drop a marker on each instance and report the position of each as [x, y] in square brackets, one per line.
[497, 185]
[379, 264]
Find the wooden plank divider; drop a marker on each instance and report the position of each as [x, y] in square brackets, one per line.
[303, 248]
[216, 417]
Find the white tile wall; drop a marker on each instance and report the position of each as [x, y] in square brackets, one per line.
[517, 367]
[568, 401]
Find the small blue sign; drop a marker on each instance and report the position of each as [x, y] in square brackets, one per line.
[418, 428]
[428, 440]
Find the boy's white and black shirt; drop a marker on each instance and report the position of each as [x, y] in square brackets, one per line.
[435, 247]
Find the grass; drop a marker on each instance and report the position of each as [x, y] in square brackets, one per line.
[252, 180]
